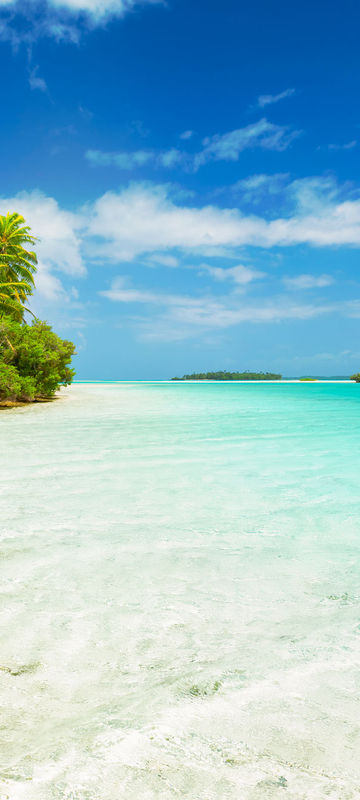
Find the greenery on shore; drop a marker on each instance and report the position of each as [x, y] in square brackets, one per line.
[34, 361]
[355, 377]
[230, 376]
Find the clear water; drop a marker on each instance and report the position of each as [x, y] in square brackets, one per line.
[180, 593]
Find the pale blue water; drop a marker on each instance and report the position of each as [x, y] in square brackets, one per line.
[180, 593]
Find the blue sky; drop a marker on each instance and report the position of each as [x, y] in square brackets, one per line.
[192, 172]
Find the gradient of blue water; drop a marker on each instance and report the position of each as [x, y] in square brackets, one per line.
[180, 594]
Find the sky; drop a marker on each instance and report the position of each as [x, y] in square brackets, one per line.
[191, 171]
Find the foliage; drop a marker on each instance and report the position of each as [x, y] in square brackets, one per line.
[355, 377]
[17, 265]
[230, 376]
[34, 361]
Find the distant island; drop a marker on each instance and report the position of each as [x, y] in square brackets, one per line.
[230, 376]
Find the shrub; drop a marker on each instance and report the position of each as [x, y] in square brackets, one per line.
[34, 361]
[10, 383]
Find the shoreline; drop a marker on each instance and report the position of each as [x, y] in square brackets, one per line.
[9, 404]
[4, 404]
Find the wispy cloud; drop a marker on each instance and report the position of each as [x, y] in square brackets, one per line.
[306, 281]
[23, 24]
[239, 274]
[96, 9]
[228, 146]
[35, 81]
[255, 188]
[85, 112]
[130, 160]
[122, 292]
[302, 195]
[182, 316]
[221, 147]
[347, 146]
[164, 260]
[268, 99]
[170, 158]
[62, 20]
[123, 160]
[186, 135]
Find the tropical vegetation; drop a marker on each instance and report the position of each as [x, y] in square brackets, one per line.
[230, 376]
[17, 265]
[355, 377]
[34, 361]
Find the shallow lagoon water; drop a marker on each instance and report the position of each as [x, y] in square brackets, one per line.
[180, 593]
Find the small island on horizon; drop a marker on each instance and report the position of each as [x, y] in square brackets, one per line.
[230, 376]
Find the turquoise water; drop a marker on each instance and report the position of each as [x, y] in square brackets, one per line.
[180, 593]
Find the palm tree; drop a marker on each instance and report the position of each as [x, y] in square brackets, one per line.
[17, 264]
[8, 303]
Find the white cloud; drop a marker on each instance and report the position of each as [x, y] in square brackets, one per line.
[269, 99]
[35, 82]
[150, 222]
[144, 218]
[24, 23]
[49, 286]
[306, 281]
[96, 9]
[58, 247]
[240, 275]
[228, 146]
[99, 9]
[221, 147]
[186, 135]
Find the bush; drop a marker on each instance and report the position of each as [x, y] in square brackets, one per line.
[10, 383]
[355, 378]
[34, 361]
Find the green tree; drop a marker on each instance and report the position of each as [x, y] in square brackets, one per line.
[34, 361]
[17, 264]
[356, 377]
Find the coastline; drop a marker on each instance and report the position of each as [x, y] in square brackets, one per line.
[9, 404]
[4, 404]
